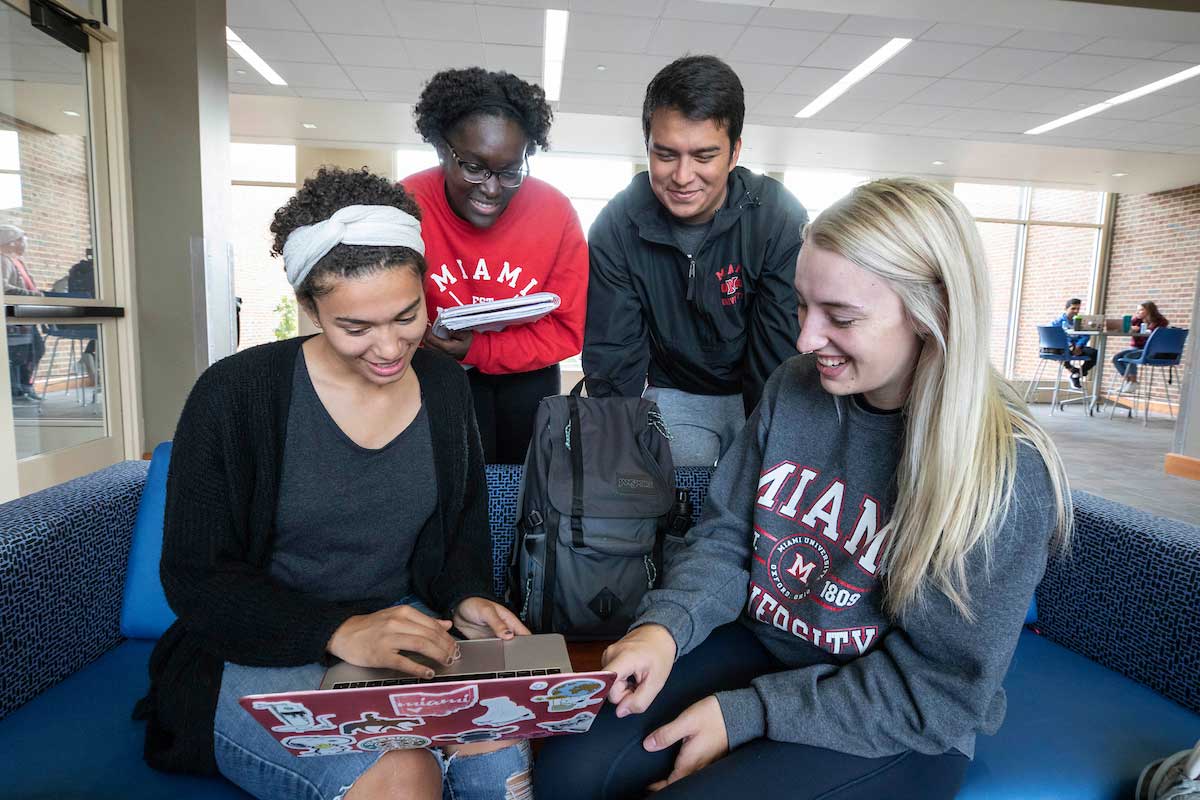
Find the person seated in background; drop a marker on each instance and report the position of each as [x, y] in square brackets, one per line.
[849, 603]
[492, 232]
[691, 293]
[26, 345]
[1077, 344]
[326, 497]
[1147, 320]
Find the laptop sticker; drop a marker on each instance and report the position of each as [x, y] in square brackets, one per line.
[502, 711]
[320, 745]
[370, 722]
[538, 686]
[477, 735]
[295, 717]
[434, 704]
[572, 695]
[576, 724]
[377, 744]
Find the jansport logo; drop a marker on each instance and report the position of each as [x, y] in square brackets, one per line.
[635, 484]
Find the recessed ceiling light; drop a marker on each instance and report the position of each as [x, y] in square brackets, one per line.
[938, 163]
[554, 48]
[873, 62]
[1104, 105]
[1119, 174]
[308, 125]
[240, 71]
[252, 58]
[71, 113]
[600, 68]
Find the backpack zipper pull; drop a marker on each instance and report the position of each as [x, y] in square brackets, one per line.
[691, 292]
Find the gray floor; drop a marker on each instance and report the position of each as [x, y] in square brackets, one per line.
[1122, 460]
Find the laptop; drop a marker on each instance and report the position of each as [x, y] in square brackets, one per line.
[1089, 322]
[520, 688]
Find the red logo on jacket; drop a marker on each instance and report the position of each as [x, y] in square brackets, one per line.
[729, 279]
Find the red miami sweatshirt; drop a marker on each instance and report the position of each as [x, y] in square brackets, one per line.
[535, 246]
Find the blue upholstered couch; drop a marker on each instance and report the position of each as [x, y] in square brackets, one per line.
[1107, 679]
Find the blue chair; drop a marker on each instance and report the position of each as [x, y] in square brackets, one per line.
[1163, 350]
[1055, 348]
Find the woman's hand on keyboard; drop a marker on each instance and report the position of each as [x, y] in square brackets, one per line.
[480, 618]
[376, 640]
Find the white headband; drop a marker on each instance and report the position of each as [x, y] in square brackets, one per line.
[379, 226]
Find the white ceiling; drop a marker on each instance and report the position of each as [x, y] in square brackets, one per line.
[979, 71]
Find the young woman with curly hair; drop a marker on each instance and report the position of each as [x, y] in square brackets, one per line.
[493, 233]
[326, 498]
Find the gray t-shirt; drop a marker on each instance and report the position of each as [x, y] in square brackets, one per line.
[793, 542]
[348, 516]
[689, 237]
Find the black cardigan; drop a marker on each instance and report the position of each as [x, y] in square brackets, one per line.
[218, 528]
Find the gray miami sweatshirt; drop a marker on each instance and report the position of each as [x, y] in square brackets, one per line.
[791, 543]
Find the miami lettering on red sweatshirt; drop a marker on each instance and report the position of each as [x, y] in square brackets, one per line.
[537, 245]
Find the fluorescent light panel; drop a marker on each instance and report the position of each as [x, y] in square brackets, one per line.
[554, 49]
[252, 58]
[873, 62]
[1104, 105]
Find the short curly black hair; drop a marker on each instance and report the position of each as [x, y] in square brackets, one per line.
[319, 197]
[453, 95]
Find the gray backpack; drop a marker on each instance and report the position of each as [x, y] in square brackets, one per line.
[593, 513]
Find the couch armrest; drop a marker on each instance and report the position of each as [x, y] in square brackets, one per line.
[62, 571]
[1128, 596]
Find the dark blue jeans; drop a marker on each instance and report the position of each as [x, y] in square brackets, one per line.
[609, 762]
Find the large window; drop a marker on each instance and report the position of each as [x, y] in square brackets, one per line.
[1042, 248]
[819, 189]
[264, 177]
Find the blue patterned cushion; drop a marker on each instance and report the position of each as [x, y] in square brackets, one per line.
[62, 569]
[1128, 596]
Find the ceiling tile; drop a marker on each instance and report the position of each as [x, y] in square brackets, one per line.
[266, 88]
[886, 88]
[367, 51]
[1129, 48]
[782, 105]
[1076, 71]
[514, 58]
[912, 114]
[391, 97]
[608, 93]
[368, 17]
[499, 25]
[827, 125]
[709, 12]
[241, 72]
[843, 110]
[1050, 40]
[809, 81]
[932, 59]
[1148, 131]
[607, 32]
[320, 76]
[329, 94]
[841, 51]
[382, 79]
[798, 20]
[1095, 127]
[273, 14]
[776, 45]
[1017, 97]
[630, 8]
[542, 4]
[1005, 64]
[430, 55]
[1149, 107]
[878, 127]
[276, 45]
[417, 19]
[945, 133]
[676, 37]
[1144, 72]
[955, 92]
[628, 67]
[759, 77]
[1186, 52]
[982, 119]
[967, 34]
[1189, 116]
[891, 27]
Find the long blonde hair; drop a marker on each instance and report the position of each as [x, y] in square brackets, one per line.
[963, 420]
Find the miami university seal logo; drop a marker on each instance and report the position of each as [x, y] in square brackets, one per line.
[729, 280]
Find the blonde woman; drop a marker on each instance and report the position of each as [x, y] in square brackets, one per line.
[846, 609]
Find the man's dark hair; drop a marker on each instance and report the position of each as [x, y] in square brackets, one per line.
[330, 190]
[1073, 301]
[454, 95]
[700, 88]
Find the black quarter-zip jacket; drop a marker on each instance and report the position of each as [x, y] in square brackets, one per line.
[714, 322]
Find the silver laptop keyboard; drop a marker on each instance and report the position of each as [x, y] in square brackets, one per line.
[477, 676]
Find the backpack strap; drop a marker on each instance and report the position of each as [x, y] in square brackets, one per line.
[575, 443]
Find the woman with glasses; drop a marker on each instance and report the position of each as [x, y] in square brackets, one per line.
[492, 233]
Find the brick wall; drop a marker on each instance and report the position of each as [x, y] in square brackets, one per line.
[1000, 250]
[1155, 256]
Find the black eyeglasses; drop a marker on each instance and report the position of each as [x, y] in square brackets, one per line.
[478, 173]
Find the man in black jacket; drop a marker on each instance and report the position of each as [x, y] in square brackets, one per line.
[690, 287]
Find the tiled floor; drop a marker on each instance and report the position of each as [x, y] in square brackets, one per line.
[1122, 460]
